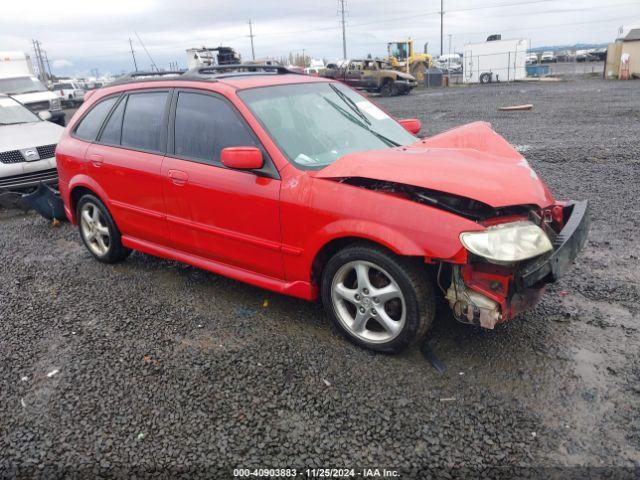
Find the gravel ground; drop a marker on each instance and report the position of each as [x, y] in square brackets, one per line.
[153, 367]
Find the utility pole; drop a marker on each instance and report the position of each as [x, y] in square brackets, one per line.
[344, 36]
[46, 60]
[133, 54]
[441, 26]
[42, 74]
[304, 58]
[253, 52]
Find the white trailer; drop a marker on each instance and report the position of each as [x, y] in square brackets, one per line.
[495, 61]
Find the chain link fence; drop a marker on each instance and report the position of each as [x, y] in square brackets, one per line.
[506, 67]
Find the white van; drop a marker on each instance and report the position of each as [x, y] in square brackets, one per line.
[18, 80]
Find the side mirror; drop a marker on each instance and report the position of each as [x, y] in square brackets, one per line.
[242, 158]
[44, 115]
[412, 125]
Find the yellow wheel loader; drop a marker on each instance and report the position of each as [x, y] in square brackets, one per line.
[402, 57]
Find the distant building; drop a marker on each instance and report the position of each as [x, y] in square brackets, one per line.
[623, 56]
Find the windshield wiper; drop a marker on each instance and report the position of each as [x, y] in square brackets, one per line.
[345, 98]
[355, 120]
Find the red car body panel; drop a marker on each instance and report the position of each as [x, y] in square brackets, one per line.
[480, 168]
[228, 216]
[268, 231]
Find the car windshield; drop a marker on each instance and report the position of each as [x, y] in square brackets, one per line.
[18, 85]
[315, 124]
[12, 112]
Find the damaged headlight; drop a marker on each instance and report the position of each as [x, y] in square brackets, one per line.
[508, 242]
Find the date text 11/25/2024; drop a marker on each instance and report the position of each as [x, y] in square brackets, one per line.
[315, 473]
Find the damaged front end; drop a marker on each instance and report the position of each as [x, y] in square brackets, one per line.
[485, 292]
[507, 265]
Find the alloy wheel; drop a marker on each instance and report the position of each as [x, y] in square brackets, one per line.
[368, 301]
[94, 229]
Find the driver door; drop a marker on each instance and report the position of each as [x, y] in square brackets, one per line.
[225, 215]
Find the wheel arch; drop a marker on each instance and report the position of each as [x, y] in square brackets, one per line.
[398, 246]
[80, 187]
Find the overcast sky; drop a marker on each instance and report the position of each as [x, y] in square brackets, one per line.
[79, 35]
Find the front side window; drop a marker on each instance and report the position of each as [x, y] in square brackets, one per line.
[144, 120]
[206, 124]
[315, 124]
[90, 124]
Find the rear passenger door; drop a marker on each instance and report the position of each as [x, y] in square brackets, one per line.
[225, 215]
[126, 160]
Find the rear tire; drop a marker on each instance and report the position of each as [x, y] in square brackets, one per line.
[376, 299]
[98, 230]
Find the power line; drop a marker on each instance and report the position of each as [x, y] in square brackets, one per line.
[538, 27]
[153, 64]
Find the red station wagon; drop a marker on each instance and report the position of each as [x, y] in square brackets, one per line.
[301, 185]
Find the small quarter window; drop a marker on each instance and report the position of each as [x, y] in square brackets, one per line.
[90, 125]
[113, 129]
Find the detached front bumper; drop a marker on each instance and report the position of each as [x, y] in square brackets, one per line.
[566, 247]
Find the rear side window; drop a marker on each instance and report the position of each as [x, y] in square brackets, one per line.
[205, 124]
[89, 126]
[113, 129]
[143, 121]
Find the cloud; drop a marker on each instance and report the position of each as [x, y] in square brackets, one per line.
[62, 63]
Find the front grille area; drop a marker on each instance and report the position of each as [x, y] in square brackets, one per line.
[47, 151]
[14, 156]
[49, 175]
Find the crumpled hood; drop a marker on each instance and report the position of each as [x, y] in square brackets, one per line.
[470, 161]
[29, 135]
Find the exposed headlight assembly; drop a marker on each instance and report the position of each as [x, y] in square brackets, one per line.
[508, 242]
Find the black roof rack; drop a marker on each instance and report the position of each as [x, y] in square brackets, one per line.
[145, 76]
[240, 68]
[204, 73]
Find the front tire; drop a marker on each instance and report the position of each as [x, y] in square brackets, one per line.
[98, 230]
[387, 89]
[376, 299]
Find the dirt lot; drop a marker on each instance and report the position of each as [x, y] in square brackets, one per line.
[151, 365]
